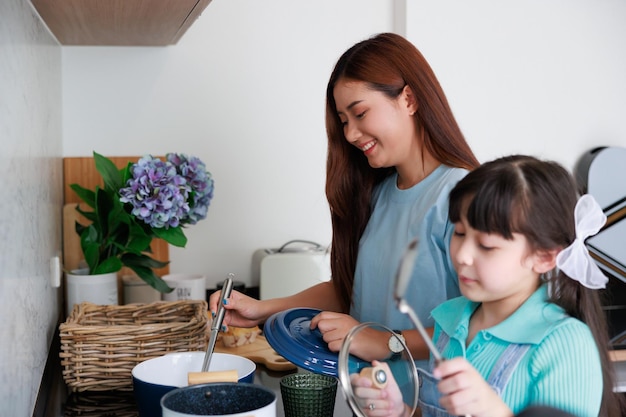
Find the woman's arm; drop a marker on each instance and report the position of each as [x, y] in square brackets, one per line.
[244, 311]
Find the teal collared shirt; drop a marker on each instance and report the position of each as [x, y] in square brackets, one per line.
[561, 369]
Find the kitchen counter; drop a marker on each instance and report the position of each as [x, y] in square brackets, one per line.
[57, 402]
[122, 403]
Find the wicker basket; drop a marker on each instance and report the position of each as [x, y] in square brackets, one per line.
[100, 404]
[101, 344]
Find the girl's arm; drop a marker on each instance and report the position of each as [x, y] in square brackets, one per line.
[565, 373]
[465, 392]
[375, 401]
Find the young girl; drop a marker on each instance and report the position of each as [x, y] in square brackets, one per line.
[394, 153]
[529, 329]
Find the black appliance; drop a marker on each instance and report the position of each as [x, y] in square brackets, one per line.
[601, 172]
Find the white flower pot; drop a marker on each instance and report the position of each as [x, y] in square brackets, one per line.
[98, 289]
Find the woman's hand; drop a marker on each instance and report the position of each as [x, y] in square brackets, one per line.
[334, 327]
[375, 401]
[368, 344]
[244, 311]
[465, 391]
[239, 310]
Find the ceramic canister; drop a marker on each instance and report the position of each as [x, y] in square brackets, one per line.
[185, 287]
[220, 399]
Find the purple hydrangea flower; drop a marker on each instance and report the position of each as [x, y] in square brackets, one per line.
[158, 194]
[201, 183]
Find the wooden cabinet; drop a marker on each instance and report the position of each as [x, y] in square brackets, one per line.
[119, 22]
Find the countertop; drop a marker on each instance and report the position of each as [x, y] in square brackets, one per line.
[55, 401]
[122, 403]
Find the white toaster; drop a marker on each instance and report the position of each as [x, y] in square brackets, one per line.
[295, 266]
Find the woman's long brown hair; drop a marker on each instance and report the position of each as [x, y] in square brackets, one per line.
[386, 62]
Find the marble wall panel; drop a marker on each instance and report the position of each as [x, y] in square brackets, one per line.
[30, 201]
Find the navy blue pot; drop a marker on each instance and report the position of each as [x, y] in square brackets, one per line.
[154, 378]
[220, 399]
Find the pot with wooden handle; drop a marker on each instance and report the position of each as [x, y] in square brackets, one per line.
[153, 378]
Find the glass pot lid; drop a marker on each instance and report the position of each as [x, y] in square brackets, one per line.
[401, 365]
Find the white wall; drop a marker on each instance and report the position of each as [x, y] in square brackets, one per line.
[531, 76]
[244, 91]
[30, 208]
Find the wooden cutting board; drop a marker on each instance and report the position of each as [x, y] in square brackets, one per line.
[259, 352]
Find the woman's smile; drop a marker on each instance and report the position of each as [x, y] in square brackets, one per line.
[368, 147]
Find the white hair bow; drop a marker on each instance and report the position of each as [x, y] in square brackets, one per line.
[575, 260]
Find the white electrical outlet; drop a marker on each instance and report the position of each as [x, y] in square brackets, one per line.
[55, 272]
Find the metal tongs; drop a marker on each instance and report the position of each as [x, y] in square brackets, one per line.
[216, 325]
[407, 264]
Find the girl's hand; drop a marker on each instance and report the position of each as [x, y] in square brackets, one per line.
[368, 344]
[375, 401]
[240, 310]
[465, 392]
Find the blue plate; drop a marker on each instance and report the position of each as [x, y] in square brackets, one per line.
[288, 333]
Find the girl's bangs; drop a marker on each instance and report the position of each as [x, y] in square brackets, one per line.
[489, 206]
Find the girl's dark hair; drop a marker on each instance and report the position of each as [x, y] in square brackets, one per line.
[535, 198]
[386, 63]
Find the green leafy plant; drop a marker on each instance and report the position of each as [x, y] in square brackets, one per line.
[144, 200]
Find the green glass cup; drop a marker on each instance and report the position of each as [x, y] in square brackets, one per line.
[308, 394]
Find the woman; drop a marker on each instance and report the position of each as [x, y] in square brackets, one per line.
[394, 152]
